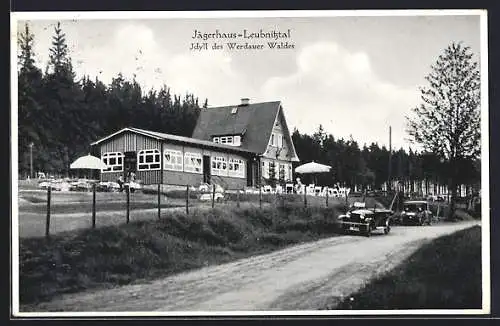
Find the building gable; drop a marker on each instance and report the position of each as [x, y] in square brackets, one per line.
[280, 145]
[253, 122]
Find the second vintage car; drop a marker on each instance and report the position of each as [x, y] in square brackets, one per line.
[366, 220]
[416, 212]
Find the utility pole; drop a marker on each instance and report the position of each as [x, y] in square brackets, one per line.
[31, 160]
[390, 161]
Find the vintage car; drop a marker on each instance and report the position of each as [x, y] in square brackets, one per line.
[366, 220]
[416, 212]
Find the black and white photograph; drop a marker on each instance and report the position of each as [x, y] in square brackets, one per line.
[250, 163]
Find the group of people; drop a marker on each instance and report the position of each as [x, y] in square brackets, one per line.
[130, 178]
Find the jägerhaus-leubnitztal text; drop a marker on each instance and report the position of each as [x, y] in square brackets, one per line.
[242, 40]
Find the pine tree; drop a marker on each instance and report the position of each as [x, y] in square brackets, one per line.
[448, 120]
[64, 101]
[30, 132]
[59, 60]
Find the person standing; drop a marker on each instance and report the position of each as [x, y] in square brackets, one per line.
[120, 182]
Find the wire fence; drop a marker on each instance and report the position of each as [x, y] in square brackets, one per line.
[43, 212]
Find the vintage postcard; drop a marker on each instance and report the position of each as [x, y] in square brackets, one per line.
[287, 163]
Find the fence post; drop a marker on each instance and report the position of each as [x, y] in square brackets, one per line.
[326, 197]
[47, 224]
[127, 190]
[346, 201]
[187, 199]
[213, 196]
[159, 201]
[305, 196]
[238, 198]
[260, 196]
[93, 205]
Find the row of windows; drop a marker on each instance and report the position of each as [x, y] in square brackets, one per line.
[231, 167]
[173, 160]
[148, 160]
[280, 170]
[114, 161]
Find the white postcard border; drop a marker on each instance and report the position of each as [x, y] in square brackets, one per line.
[485, 220]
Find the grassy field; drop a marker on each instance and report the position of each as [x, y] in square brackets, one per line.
[444, 274]
[116, 255]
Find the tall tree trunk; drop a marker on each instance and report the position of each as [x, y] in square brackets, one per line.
[452, 189]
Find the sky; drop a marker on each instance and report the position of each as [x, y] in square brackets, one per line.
[356, 76]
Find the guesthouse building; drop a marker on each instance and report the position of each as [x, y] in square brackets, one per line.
[234, 146]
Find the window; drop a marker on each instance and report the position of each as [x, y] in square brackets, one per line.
[272, 139]
[193, 162]
[148, 159]
[172, 160]
[234, 110]
[114, 161]
[236, 167]
[265, 170]
[280, 141]
[219, 165]
[226, 140]
[282, 172]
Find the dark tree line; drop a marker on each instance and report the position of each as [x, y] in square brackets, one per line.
[61, 115]
[367, 166]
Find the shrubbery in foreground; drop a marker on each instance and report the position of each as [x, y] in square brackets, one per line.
[116, 255]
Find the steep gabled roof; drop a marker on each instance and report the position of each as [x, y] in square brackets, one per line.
[254, 121]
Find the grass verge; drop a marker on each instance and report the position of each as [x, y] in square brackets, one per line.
[117, 255]
[443, 274]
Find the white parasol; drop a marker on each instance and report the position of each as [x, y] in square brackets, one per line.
[88, 162]
[312, 168]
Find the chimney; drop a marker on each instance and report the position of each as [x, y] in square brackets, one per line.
[245, 101]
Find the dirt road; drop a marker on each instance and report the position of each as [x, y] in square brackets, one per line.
[302, 277]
